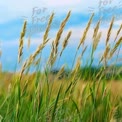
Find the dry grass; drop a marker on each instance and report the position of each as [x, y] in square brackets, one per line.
[109, 31]
[60, 31]
[85, 32]
[65, 42]
[21, 42]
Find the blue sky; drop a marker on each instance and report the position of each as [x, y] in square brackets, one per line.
[14, 12]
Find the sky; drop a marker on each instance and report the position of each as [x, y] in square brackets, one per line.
[14, 12]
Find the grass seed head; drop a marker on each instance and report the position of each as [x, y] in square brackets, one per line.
[115, 47]
[65, 42]
[109, 31]
[85, 32]
[96, 40]
[96, 29]
[48, 27]
[21, 41]
[59, 33]
[105, 54]
[118, 32]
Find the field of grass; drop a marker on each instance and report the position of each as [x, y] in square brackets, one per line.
[79, 94]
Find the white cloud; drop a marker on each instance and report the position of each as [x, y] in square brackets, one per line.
[12, 9]
[118, 23]
[77, 33]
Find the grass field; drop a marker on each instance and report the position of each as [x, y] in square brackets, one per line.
[79, 94]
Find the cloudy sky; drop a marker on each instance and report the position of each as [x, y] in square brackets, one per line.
[14, 12]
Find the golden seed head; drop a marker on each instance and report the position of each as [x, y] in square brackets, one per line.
[85, 32]
[109, 31]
